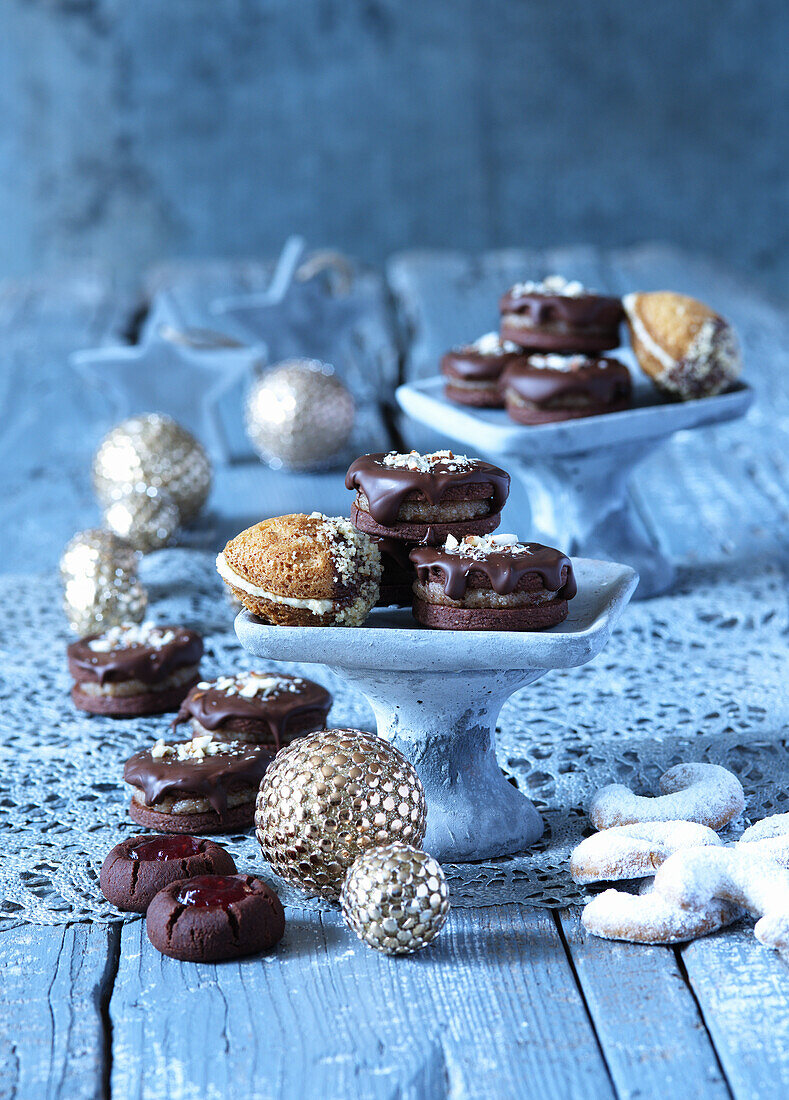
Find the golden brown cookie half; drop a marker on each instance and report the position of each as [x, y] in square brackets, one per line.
[300, 570]
[686, 348]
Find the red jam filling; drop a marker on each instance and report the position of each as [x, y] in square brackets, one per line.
[167, 847]
[213, 891]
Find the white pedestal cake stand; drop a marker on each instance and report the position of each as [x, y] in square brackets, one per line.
[437, 693]
[576, 472]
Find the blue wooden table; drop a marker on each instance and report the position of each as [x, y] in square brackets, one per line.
[512, 1000]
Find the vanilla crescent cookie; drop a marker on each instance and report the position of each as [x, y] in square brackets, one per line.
[634, 851]
[770, 838]
[648, 917]
[705, 793]
[695, 878]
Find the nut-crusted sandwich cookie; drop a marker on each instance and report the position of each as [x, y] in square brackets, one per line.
[545, 388]
[197, 786]
[302, 570]
[267, 708]
[140, 866]
[134, 669]
[425, 497]
[686, 348]
[491, 583]
[557, 315]
[214, 917]
[472, 371]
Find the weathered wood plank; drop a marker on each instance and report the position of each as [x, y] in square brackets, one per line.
[491, 1010]
[743, 993]
[55, 986]
[645, 1017]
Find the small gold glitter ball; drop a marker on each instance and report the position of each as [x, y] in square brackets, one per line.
[152, 454]
[330, 796]
[299, 415]
[395, 899]
[146, 522]
[100, 586]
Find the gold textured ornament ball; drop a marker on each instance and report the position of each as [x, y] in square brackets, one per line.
[395, 899]
[299, 415]
[152, 454]
[100, 585]
[146, 522]
[330, 796]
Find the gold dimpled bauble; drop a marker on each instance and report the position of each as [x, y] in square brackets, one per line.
[331, 796]
[299, 415]
[152, 455]
[100, 586]
[395, 899]
[146, 521]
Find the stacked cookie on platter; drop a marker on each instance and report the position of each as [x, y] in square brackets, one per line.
[421, 533]
[548, 361]
[692, 883]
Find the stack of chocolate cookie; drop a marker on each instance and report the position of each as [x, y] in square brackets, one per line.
[406, 500]
[563, 329]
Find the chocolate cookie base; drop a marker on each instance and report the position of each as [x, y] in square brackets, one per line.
[131, 884]
[441, 617]
[237, 819]
[133, 706]
[433, 534]
[521, 414]
[196, 934]
[486, 397]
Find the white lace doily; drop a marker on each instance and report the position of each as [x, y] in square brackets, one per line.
[697, 675]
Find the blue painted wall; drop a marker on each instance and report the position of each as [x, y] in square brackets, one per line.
[134, 131]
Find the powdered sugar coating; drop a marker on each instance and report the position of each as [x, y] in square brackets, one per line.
[635, 851]
[705, 793]
[650, 918]
[694, 878]
[769, 838]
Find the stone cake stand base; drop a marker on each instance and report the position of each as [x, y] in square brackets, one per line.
[437, 694]
[577, 472]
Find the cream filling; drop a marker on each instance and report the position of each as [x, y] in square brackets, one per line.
[644, 337]
[318, 607]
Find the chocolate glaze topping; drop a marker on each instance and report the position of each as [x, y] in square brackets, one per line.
[213, 708]
[473, 366]
[504, 570]
[596, 310]
[602, 380]
[148, 664]
[386, 487]
[209, 778]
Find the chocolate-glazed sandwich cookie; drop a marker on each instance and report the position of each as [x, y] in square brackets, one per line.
[545, 388]
[491, 583]
[472, 371]
[197, 786]
[557, 315]
[214, 917]
[134, 669]
[140, 866]
[266, 708]
[423, 498]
